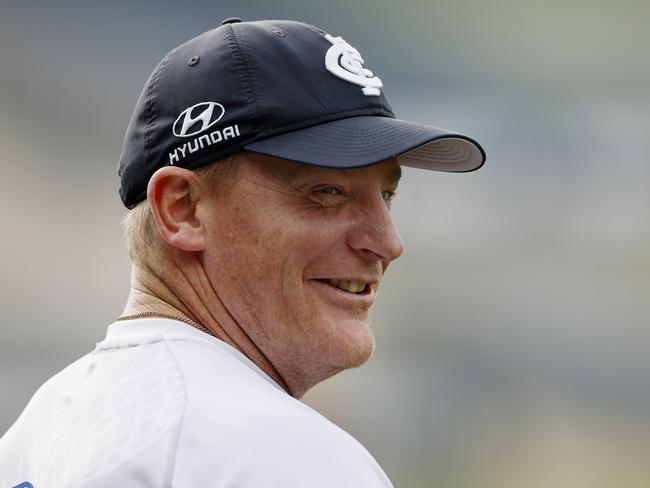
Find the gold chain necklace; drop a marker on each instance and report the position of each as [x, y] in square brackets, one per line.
[165, 316]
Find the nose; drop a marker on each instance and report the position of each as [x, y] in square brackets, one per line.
[375, 236]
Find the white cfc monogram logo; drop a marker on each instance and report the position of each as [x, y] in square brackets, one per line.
[344, 61]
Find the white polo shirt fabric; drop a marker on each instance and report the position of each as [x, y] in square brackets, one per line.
[161, 404]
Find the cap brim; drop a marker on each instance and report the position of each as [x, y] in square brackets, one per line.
[361, 141]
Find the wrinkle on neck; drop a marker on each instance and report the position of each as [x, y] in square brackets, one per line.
[184, 289]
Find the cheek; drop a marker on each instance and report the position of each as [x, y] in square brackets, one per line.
[262, 257]
[247, 257]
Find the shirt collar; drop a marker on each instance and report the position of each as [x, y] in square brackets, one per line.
[163, 326]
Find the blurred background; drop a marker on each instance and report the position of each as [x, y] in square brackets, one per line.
[512, 336]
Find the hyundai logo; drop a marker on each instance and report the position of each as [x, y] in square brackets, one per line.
[198, 118]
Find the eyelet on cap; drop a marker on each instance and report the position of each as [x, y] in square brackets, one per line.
[230, 20]
[193, 60]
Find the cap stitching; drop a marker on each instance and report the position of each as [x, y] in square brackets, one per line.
[244, 72]
[150, 115]
[257, 93]
[380, 110]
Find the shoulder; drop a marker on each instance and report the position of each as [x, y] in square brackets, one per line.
[255, 434]
[179, 410]
[51, 397]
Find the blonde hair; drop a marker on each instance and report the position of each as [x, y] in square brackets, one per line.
[139, 227]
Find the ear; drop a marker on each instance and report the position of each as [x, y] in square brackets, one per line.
[173, 194]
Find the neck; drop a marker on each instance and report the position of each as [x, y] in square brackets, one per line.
[187, 298]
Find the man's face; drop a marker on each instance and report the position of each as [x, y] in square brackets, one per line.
[296, 253]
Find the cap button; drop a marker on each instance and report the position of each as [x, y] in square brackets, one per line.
[231, 20]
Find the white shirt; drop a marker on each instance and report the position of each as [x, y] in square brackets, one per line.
[161, 404]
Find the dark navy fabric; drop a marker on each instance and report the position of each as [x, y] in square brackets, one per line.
[353, 142]
[266, 78]
[269, 76]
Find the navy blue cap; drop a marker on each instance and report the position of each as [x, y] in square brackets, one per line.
[276, 87]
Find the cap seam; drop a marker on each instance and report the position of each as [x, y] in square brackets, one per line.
[377, 109]
[257, 91]
[150, 115]
[244, 72]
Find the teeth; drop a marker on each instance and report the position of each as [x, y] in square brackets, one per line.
[351, 286]
[356, 287]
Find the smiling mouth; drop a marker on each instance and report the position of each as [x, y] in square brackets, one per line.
[356, 287]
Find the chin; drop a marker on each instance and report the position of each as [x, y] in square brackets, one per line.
[355, 345]
[362, 354]
[348, 345]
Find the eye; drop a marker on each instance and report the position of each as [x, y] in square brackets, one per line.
[329, 196]
[388, 195]
[330, 190]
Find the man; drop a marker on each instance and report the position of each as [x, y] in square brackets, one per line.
[259, 167]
